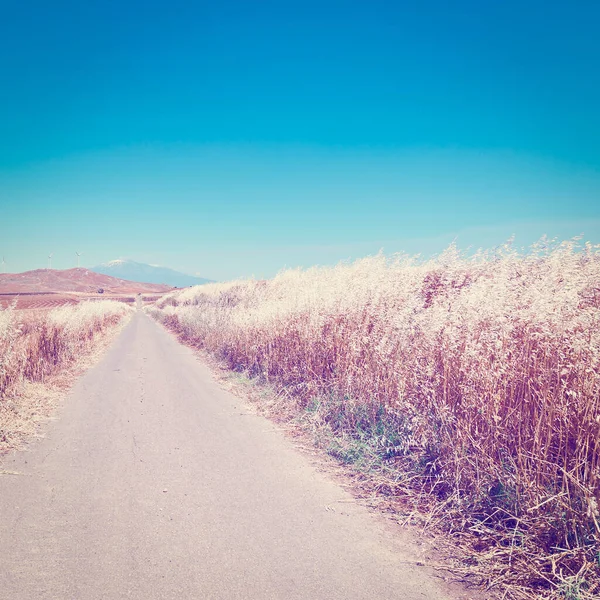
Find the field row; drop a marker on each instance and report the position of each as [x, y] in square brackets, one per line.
[49, 301]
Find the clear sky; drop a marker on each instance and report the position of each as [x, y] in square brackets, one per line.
[236, 138]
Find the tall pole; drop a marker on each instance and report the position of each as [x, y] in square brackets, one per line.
[50, 260]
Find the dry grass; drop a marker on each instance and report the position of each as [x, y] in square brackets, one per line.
[36, 348]
[474, 381]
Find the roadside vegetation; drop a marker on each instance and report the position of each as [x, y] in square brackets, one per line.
[468, 384]
[38, 345]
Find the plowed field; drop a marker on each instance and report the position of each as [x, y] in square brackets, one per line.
[47, 301]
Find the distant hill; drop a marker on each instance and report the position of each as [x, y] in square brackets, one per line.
[135, 271]
[72, 280]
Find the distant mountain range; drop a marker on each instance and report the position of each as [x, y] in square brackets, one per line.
[135, 271]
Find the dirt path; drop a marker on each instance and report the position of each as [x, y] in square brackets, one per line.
[156, 484]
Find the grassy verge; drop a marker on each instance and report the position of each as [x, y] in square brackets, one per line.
[38, 352]
[470, 386]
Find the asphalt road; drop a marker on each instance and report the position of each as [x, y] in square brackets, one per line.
[154, 483]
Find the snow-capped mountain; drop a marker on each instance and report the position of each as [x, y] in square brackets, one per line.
[135, 271]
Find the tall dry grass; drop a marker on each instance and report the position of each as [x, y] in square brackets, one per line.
[36, 344]
[485, 369]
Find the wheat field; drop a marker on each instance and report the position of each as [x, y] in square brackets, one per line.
[34, 344]
[477, 376]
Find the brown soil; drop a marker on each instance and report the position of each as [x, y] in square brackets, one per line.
[44, 281]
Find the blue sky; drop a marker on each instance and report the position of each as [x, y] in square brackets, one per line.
[234, 138]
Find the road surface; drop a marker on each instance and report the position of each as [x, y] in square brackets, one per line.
[154, 483]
